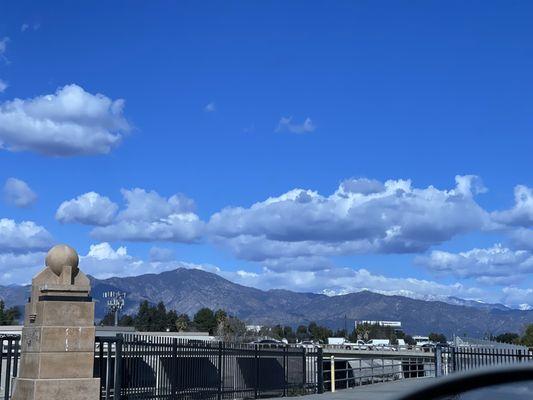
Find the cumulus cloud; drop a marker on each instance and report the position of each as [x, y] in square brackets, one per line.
[20, 268]
[90, 209]
[23, 237]
[103, 261]
[337, 281]
[210, 107]
[18, 193]
[3, 86]
[161, 254]
[361, 216]
[522, 238]
[496, 264]
[67, 123]
[522, 213]
[150, 217]
[285, 124]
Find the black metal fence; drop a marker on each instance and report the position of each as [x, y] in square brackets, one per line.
[158, 367]
[9, 356]
[451, 359]
[155, 367]
[344, 372]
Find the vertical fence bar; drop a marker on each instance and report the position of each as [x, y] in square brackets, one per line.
[320, 368]
[173, 369]
[118, 369]
[438, 361]
[8, 369]
[256, 386]
[332, 373]
[219, 392]
[304, 369]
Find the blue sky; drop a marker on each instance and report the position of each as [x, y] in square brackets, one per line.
[233, 103]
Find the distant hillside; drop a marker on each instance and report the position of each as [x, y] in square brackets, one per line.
[188, 290]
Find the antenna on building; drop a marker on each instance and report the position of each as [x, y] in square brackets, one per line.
[115, 302]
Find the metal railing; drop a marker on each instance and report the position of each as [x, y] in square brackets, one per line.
[464, 358]
[342, 373]
[154, 367]
[9, 360]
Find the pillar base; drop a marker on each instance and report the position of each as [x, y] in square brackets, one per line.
[48, 389]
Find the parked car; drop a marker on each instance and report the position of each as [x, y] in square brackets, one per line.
[428, 347]
[308, 344]
[269, 343]
[359, 345]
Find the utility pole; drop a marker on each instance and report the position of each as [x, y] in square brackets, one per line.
[345, 327]
[115, 302]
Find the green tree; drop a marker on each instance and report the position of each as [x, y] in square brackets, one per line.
[182, 323]
[8, 316]
[108, 320]
[437, 337]
[527, 338]
[204, 320]
[301, 332]
[318, 332]
[508, 337]
[153, 318]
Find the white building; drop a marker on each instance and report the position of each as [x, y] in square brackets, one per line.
[254, 328]
[420, 340]
[397, 325]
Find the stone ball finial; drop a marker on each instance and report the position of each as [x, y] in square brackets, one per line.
[60, 256]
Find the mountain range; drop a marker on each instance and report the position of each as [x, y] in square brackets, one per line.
[188, 290]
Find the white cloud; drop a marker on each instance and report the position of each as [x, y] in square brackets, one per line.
[102, 261]
[23, 237]
[210, 107]
[286, 124]
[67, 123]
[496, 264]
[150, 217]
[20, 268]
[336, 281]
[161, 254]
[361, 216]
[18, 193]
[90, 208]
[522, 238]
[3, 86]
[24, 27]
[3, 46]
[522, 212]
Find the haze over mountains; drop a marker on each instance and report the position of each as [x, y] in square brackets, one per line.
[188, 290]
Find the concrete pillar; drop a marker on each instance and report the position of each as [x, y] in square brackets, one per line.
[58, 336]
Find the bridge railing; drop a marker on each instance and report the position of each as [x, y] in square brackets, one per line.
[342, 372]
[9, 361]
[155, 367]
[452, 359]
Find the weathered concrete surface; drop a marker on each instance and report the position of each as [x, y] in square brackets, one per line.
[378, 391]
[57, 351]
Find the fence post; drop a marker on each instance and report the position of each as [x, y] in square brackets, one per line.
[118, 368]
[219, 394]
[285, 371]
[438, 360]
[7, 393]
[304, 369]
[256, 357]
[332, 373]
[452, 355]
[320, 369]
[174, 368]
